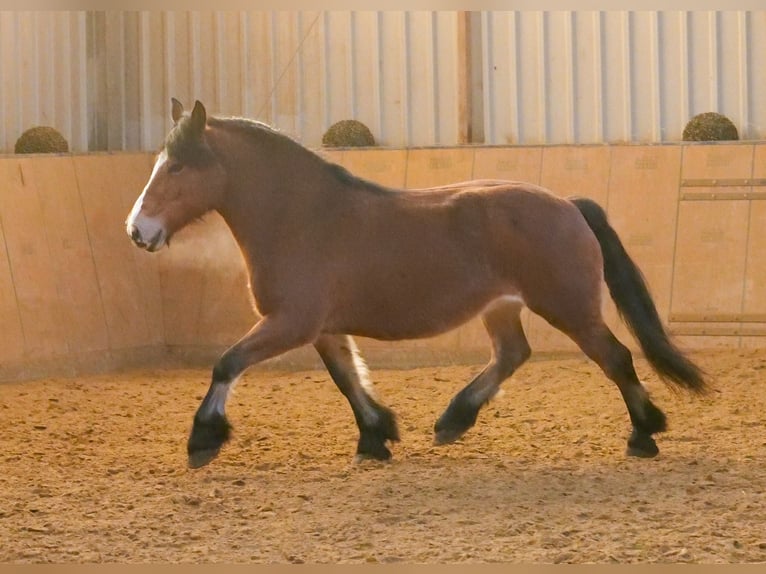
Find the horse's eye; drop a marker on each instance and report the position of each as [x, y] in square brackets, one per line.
[175, 167]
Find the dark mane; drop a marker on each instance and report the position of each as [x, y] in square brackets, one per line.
[254, 128]
[183, 143]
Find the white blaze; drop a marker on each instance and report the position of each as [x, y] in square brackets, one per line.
[149, 227]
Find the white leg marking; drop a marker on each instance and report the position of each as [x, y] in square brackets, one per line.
[365, 384]
[361, 368]
[504, 300]
[217, 402]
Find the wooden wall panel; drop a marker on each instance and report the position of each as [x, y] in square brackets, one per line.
[11, 332]
[643, 205]
[759, 162]
[755, 274]
[146, 264]
[511, 163]
[386, 167]
[34, 277]
[82, 311]
[72, 282]
[102, 179]
[569, 171]
[710, 258]
[432, 167]
[577, 170]
[181, 280]
[717, 161]
[225, 312]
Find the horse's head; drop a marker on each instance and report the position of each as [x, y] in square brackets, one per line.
[187, 181]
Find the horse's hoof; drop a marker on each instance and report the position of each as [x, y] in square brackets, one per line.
[200, 458]
[362, 457]
[642, 446]
[640, 453]
[447, 436]
[372, 450]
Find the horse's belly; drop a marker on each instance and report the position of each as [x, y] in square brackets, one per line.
[408, 317]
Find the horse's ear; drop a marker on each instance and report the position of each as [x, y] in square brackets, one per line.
[199, 116]
[177, 111]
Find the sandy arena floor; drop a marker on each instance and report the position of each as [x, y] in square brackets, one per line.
[94, 470]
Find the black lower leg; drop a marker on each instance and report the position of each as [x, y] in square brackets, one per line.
[650, 420]
[460, 415]
[206, 439]
[373, 436]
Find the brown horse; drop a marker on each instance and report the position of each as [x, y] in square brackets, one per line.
[330, 255]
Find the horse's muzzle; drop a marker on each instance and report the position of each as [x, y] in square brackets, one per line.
[156, 242]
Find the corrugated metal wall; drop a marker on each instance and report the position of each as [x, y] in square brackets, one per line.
[105, 78]
[43, 61]
[587, 77]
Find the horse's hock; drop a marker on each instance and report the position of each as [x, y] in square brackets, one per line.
[75, 296]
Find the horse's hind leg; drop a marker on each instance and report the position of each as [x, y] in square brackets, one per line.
[616, 361]
[580, 318]
[509, 351]
[376, 423]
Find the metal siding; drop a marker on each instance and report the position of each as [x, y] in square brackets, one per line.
[104, 79]
[591, 77]
[40, 58]
[756, 79]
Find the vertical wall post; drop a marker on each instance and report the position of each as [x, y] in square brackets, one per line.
[470, 78]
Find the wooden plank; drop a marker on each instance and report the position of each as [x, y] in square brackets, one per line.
[185, 269]
[511, 163]
[386, 167]
[755, 272]
[146, 264]
[102, 179]
[718, 162]
[718, 317]
[759, 161]
[708, 342]
[719, 194]
[331, 155]
[710, 257]
[723, 183]
[72, 261]
[29, 256]
[225, 311]
[11, 332]
[181, 293]
[577, 170]
[719, 330]
[643, 205]
[430, 167]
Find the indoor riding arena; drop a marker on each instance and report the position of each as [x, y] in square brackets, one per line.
[107, 350]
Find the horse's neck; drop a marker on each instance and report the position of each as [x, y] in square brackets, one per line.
[266, 193]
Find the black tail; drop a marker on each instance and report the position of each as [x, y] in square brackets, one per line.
[634, 303]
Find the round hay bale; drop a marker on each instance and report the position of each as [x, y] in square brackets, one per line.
[710, 126]
[348, 133]
[41, 139]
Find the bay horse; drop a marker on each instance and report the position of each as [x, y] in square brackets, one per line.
[330, 255]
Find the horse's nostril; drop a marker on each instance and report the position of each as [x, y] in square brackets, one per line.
[135, 234]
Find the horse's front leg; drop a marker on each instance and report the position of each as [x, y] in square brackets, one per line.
[270, 337]
[377, 424]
